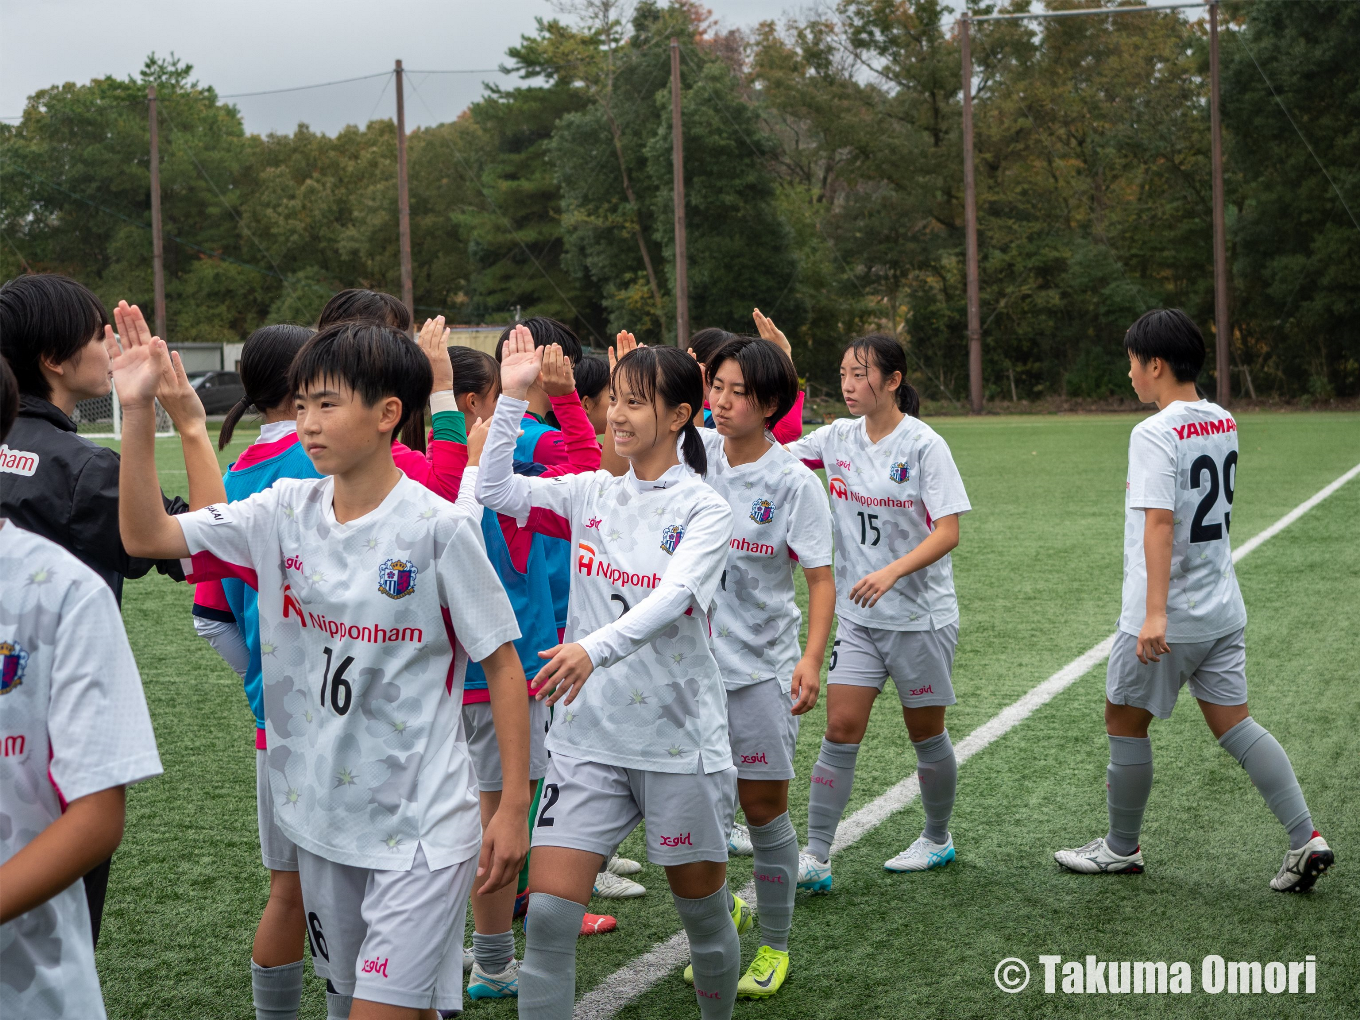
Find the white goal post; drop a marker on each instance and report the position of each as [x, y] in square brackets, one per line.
[106, 410]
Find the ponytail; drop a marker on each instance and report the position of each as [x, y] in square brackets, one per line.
[693, 449]
[413, 432]
[265, 358]
[886, 353]
[673, 375]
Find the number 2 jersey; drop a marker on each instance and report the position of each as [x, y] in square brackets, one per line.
[1184, 459]
[779, 515]
[885, 499]
[365, 632]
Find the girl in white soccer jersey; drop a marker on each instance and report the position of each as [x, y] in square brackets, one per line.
[779, 518]
[639, 730]
[896, 497]
[1182, 617]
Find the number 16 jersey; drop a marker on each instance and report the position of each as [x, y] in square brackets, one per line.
[1184, 459]
[885, 499]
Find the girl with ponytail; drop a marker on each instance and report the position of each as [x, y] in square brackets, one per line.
[640, 729]
[896, 497]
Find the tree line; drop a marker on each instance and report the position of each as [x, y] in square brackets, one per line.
[823, 169]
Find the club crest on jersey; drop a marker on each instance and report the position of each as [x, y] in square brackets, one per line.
[13, 660]
[762, 511]
[397, 578]
[670, 537]
[899, 472]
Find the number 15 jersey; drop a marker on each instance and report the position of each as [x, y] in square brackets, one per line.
[885, 499]
[1184, 459]
[365, 632]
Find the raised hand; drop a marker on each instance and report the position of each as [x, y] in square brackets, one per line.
[521, 363]
[434, 341]
[139, 365]
[476, 440]
[557, 378]
[178, 396]
[766, 328]
[623, 343]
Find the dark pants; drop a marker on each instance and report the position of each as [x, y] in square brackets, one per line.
[96, 886]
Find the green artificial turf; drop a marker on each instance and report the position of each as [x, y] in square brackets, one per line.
[1038, 576]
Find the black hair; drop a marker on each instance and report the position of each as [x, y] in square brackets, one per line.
[373, 359]
[592, 376]
[9, 399]
[885, 352]
[1169, 334]
[766, 371]
[547, 331]
[673, 375]
[357, 303]
[264, 372]
[707, 343]
[45, 315]
[473, 371]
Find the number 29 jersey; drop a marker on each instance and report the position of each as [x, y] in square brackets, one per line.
[366, 628]
[1184, 459]
[885, 499]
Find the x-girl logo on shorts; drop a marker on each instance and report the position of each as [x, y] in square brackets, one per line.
[762, 511]
[670, 537]
[677, 840]
[13, 661]
[899, 472]
[397, 578]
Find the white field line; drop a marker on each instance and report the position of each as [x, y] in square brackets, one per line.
[635, 977]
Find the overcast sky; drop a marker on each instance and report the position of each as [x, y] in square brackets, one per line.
[254, 45]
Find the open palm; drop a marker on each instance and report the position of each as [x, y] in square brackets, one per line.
[520, 362]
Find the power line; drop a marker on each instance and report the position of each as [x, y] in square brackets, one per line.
[300, 88]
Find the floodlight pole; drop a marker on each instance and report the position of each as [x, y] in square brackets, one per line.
[1222, 322]
[157, 241]
[678, 178]
[404, 202]
[970, 228]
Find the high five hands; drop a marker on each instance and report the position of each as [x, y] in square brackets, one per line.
[145, 370]
[434, 341]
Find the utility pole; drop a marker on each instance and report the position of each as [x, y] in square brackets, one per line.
[157, 242]
[404, 203]
[678, 176]
[1222, 321]
[970, 244]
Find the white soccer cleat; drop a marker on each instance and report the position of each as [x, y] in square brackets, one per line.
[923, 855]
[505, 985]
[609, 886]
[1302, 867]
[813, 875]
[1097, 858]
[739, 841]
[622, 866]
[468, 960]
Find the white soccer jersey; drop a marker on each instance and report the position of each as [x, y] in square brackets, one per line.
[885, 497]
[661, 708]
[73, 722]
[365, 632]
[1184, 459]
[779, 515]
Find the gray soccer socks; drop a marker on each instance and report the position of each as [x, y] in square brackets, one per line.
[1268, 766]
[776, 878]
[277, 991]
[547, 977]
[714, 952]
[938, 772]
[832, 778]
[338, 1006]
[1128, 784]
[493, 952]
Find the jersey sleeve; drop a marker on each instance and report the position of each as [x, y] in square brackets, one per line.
[98, 722]
[580, 447]
[479, 611]
[1152, 469]
[788, 428]
[210, 603]
[810, 534]
[809, 449]
[229, 539]
[544, 504]
[941, 484]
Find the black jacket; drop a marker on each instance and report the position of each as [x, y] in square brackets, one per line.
[64, 487]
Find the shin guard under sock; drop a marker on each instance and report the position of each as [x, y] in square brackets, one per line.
[1128, 784]
[937, 770]
[276, 991]
[832, 777]
[1268, 766]
[776, 879]
[714, 952]
[547, 977]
